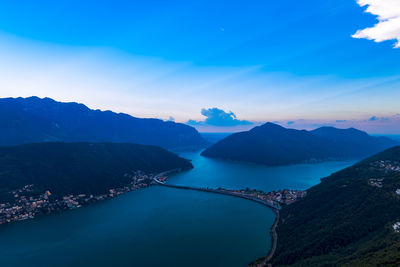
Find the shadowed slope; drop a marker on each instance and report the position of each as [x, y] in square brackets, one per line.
[272, 144]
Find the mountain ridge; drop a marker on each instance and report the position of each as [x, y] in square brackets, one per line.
[33, 119]
[272, 144]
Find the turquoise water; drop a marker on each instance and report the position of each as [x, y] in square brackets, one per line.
[229, 174]
[160, 226]
[214, 137]
[151, 227]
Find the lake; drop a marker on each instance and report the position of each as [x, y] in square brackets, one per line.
[236, 175]
[160, 226]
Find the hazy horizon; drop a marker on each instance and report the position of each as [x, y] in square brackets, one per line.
[218, 66]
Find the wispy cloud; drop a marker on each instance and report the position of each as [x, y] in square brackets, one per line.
[375, 118]
[388, 27]
[374, 124]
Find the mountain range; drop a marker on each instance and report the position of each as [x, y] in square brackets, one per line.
[33, 120]
[271, 144]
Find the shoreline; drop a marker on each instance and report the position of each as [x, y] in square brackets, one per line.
[164, 175]
[274, 237]
[45, 203]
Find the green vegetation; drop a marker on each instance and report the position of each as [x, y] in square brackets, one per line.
[345, 220]
[76, 168]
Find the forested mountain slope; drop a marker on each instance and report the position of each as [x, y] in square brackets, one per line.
[346, 220]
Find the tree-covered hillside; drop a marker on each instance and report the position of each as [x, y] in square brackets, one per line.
[76, 168]
[346, 220]
[272, 144]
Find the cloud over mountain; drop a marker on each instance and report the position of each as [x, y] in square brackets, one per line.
[388, 27]
[218, 117]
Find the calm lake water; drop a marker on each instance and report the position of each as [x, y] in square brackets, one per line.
[236, 175]
[160, 226]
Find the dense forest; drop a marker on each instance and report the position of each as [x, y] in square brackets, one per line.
[346, 220]
[271, 144]
[75, 168]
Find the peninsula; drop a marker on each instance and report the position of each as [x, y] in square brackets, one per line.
[44, 178]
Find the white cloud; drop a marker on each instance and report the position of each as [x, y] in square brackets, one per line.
[218, 117]
[388, 27]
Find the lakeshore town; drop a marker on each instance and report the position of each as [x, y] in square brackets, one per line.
[386, 166]
[275, 198]
[26, 204]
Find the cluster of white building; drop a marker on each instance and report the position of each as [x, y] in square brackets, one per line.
[387, 165]
[396, 227]
[24, 207]
[377, 182]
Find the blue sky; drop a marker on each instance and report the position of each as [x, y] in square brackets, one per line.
[260, 60]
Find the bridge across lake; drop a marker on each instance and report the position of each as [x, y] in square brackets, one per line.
[275, 209]
[223, 192]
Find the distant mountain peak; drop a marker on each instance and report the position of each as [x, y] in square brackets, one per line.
[33, 119]
[268, 126]
[341, 134]
[271, 125]
[334, 129]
